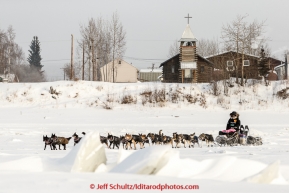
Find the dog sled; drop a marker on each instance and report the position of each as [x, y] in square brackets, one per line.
[237, 138]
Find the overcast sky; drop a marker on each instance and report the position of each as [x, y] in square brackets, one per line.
[151, 25]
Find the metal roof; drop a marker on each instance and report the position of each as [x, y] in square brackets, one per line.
[178, 55]
[150, 70]
[188, 35]
[224, 52]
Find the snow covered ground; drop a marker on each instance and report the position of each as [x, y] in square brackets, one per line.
[29, 111]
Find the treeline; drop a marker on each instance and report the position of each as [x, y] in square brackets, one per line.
[13, 61]
[102, 41]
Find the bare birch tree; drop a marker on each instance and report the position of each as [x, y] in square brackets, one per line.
[118, 42]
[207, 47]
[11, 54]
[89, 35]
[174, 49]
[242, 37]
[102, 41]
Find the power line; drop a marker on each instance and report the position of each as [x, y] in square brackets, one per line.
[54, 60]
[49, 41]
[144, 58]
[128, 57]
[149, 40]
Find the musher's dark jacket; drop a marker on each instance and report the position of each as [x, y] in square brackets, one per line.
[233, 123]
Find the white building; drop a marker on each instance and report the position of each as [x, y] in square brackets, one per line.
[122, 70]
[281, 69]
[150, 75]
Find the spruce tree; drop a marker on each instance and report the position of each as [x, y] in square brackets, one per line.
[263, 67]
[34, 57]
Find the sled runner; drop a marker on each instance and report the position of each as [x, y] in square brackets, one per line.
[230, 140]
[233, 138]
[236, 138]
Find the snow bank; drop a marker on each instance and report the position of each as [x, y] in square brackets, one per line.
[90, 155]
[146, 161]
[79, 94]
[27, 164]
[123, 154]
[164, 161]
[270, 175]
[226, 168]
[86, 156]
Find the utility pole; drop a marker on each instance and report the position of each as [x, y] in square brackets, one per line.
[8, 69]
[93, 61]
[113, 68]
[96, 68]
[83, 60]
[71, 65]
[286, 66]
[106, 78]
[89, 59]
[242, 73]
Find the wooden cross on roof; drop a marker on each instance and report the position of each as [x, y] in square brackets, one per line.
[188, 18]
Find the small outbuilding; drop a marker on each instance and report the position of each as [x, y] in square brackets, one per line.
[282, 70]
[150, 75]
[119, 71]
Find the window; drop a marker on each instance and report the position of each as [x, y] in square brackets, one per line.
[173, 69]
[188, 73]
[230, 63]
[119, 62]
[202, 69]
[246, 63]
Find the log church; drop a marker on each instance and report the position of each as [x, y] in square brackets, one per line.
[187, 66]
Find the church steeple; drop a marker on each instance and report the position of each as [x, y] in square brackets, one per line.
[188, 56]
[188, 35]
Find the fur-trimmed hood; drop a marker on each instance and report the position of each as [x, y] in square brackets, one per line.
[234, 112]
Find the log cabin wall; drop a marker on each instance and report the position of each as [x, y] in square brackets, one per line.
[205, 71]
[170, 70]
[220, 62]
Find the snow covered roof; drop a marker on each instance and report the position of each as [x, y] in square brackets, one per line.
[150, 70]
[227, 52]
[116, 61]
[230, 51]
[279, 66]
[224, 52]
[178, 55]
[188, 35]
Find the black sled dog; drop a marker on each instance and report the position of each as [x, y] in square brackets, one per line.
[76, 138]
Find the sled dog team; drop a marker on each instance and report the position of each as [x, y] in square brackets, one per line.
[128, 140]
[54, 140]
[234, 131]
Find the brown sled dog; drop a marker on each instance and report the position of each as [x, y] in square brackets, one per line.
[59, 141]
[182, 138]
[208, 138]
[133, 139]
